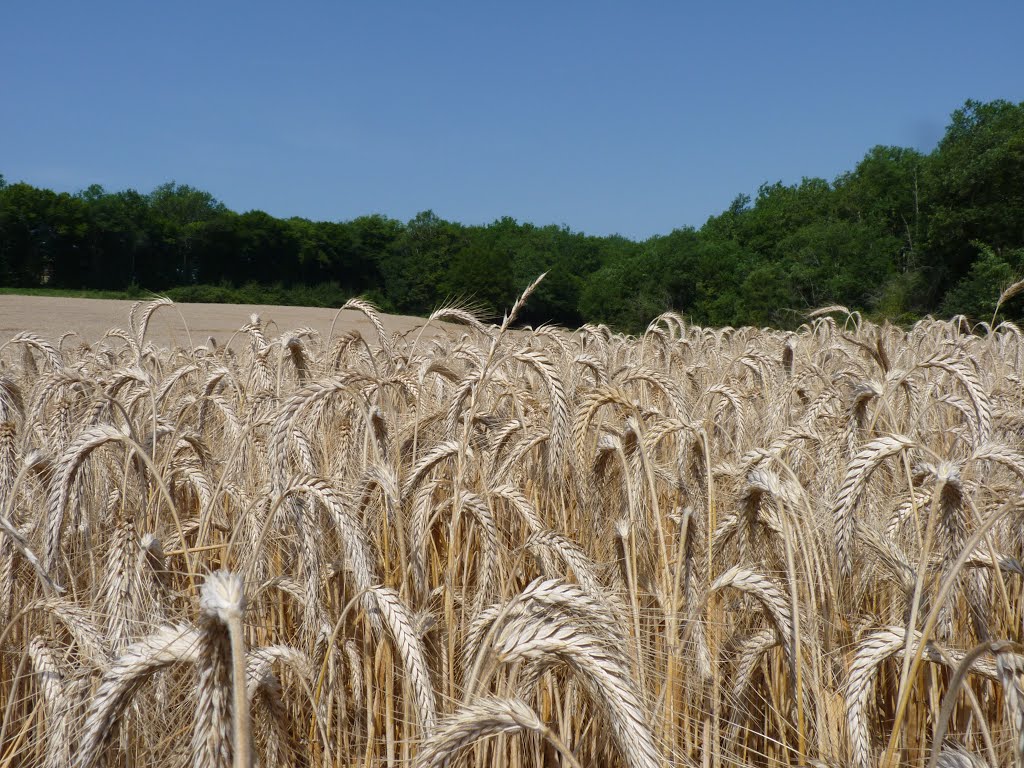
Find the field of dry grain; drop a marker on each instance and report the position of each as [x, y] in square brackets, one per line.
[91, 318]
[380, 544]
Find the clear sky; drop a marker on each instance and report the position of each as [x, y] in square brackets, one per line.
[627, 117]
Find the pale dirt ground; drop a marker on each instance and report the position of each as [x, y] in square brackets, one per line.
[92, 318]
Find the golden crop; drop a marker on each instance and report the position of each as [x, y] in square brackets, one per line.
[472, 545]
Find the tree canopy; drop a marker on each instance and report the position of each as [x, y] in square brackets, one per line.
[902, 234]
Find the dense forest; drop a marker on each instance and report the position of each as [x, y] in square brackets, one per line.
[901, 235]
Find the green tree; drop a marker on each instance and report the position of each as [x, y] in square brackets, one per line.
[416, 266]
[119, 237]
[214, 246]
[885, 189]
[372, 238]
[975, 178]
[268, 250]
[181, 204]
[839, 262]
[976, 294]
[41, 237]
[719, 268]
[179, 211]
[624, 293]
[479, 270]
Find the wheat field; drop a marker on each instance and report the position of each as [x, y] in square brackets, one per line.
[491, 546]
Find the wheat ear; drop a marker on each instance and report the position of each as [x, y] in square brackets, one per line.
[880, 645]
[222, 665]
[955, 756]
[399, 622]
[168, 645]
[767, 593]
[857, 475]
[58, 703]
[549, 637]
[478, 720]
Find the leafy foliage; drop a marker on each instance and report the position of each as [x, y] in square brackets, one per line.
[902, 234]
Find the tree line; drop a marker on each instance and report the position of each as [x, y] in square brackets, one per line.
[903, 234]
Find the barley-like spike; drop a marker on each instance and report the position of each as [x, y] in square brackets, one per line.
[604, 670]
[437, 454]
[171, 644]
[857, 475]
[560, 423]
[370, 311]
[472, 722]
[955, 756]
[309, 395]
[966, 375]
[871, 652]
[31, 340]
[767, 593]
[58, 702]
[222, 665]
[359, 551]
[19, 543]
[397, 619]
[67, 470]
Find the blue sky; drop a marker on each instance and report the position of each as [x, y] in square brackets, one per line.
[631, 118]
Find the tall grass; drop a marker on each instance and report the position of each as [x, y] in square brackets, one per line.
[472, 545]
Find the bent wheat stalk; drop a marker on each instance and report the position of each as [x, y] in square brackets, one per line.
[481, 719]
[172, 644]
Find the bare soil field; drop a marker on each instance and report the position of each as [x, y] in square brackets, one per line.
[51, 317]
